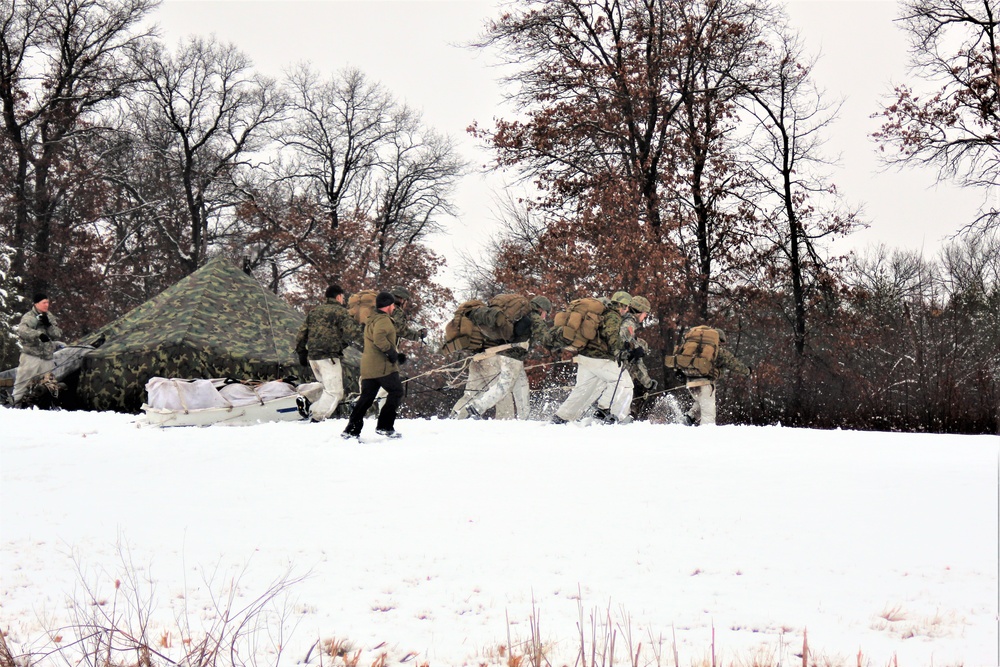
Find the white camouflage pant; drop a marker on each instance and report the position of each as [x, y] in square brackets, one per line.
[30, 368]
[594, 377]
[703, 409]
[330, 373]
[490, 379]
[517, 401]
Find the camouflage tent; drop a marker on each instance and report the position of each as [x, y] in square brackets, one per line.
[217, 322]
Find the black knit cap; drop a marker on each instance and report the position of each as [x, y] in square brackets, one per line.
[39, 296]
[333, 291]
[384, 299]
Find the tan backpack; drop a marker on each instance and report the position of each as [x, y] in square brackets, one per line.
[361, 305]
[579, 324]
[696, 355]
[461, 333]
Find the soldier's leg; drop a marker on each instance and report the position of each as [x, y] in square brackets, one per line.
[501, 373]
[521, 392]
[330, 373]
[588, 386]
[621, 402]
[30, 369]
[473, 385]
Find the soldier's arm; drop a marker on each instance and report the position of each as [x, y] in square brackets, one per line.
[383, 336]
[302, 338]
[729, 362]
[611, 330]
[28, 330]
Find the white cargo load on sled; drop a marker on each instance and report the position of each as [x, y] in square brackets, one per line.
[178, 402]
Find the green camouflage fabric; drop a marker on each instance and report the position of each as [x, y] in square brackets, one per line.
[608, 342]
[726, 361]
[217, 322]
[30, 329]
[532, 328]
[328, 329]
[637, 369]
[404, 329]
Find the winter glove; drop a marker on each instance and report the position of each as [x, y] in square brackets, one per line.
[303, 359]
[401, 358]
[653, 384]
[636, 353]
[44, 338]
[422, 334]
[43, 319]
[392, 356]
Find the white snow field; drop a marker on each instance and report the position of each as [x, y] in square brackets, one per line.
[445, 546]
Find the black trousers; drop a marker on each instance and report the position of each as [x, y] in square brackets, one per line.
[369, 390]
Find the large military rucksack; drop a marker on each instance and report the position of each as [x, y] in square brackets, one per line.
[461, 333]
[476, 324]
[361, 305]
[579, 324]
[695, 356]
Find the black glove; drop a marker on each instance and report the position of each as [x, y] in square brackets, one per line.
[43, 319]
[636, 353]
[392, 356]
[422, 334]
[749, 371]
[401, 358]
[303, 359]
[44, 338]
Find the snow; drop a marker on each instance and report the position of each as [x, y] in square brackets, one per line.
[441, 547]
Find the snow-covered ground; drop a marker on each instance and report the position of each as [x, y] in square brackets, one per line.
[441, 547]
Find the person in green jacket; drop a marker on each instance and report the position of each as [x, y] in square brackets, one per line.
[599, 368]
[702, 387]
[320, 345]
[37, 333]
[380, 363]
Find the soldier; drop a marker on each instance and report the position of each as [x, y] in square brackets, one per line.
[320, 344]
[380, 363]
[702, 386]
[404, 330]
[499, 377]
[638, 310]
[598, 368]
[400, 316]
[37, 334]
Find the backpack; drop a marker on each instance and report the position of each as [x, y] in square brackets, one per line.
[497, 319]
[476, 324]
[461, 333]
[578, 325]
[361, 305]
[696, 354]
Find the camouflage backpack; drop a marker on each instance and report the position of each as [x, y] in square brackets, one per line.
[361, 305]
[578, 325]
[498, 318]
[461, 333]
[695, 356]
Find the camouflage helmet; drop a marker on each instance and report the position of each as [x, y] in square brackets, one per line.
[640, 304]
[722, 335]
[621, 298]
[400, 293]
[541, 303]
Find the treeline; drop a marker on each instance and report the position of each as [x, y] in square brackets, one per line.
[675, 149]
[125, 163]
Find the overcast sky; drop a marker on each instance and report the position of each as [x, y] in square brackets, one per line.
[414, 47]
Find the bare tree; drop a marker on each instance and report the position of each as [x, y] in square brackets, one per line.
[203, 115]
[786, 160]
[335, 132]
[949, 119]
[61, 62]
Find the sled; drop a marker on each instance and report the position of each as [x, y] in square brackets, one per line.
[178, 402]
